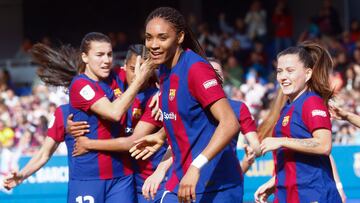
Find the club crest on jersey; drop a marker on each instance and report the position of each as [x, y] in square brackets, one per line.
[172, 94]
[136, 113]
[117, 92]
[285, 120]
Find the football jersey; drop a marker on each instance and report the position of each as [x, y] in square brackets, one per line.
[97, 164]
[187, 90]
[302, 177]
[140, 110]
[246, 121]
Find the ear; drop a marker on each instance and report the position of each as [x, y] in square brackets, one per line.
[181, 37]
[84, 58]
[308, 75]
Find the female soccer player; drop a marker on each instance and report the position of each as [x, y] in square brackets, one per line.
[99, 176]
[301, 141]
[138, 123]
[197, 117]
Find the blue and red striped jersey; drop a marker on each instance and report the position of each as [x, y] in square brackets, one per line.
[187, 90]
[97, 164]
[246, 121]
[302, 177]
[140, 110]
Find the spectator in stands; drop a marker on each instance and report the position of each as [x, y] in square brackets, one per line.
[283, 22]
[255, 20]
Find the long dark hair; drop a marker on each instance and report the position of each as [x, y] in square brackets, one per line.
[57, 67]
[177, 20]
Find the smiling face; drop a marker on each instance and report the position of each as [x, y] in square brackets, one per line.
[162, 41]
[98, 60]
[292, 75]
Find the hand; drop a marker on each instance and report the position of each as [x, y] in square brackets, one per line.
[80, 146]
[264, 191]
[249, 156]
[270, 144]
[145, 71]
[152, 183]
[76, 129]
[12, 180]
[337, 112]
[146, 146]
[154, 105]
[187, 185]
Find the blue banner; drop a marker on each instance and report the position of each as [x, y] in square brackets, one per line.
[49, 184]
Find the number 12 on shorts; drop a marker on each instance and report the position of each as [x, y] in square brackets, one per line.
[85, 199]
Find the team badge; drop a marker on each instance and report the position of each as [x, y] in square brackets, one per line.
[117, 92]
[136, 113]
[285, 120]
[172, 94]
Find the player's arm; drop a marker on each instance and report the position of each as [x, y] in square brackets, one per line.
[339, 185]
[248, 128]
[36, 162]
[84, 144]
[320, 143]
[248, 159]
[228, 126]
[340, 113]
[316, 119]
[115, 110]
[152, 183]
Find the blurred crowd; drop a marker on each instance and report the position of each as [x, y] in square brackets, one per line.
[246, 47]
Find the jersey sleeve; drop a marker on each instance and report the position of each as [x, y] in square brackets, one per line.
[247, 123]
[56, 128]
[203, 84]
[315, 114]
[84, 93]
[146, 117]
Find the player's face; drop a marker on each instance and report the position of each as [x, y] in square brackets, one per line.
[292, 75]
[162, 41]
[130, 68]
[98, 60]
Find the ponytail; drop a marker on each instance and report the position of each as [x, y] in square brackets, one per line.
[56, 67]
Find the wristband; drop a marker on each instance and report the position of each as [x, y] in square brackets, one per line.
[339, 185]
[200, 161]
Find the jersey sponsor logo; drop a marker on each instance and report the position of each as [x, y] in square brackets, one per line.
[136, 113]
[51, 121]
[169, 116]
[285, 120]
[318, 112]
[117, 92]
[172, 94]
[87, 93]
[210, 83]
